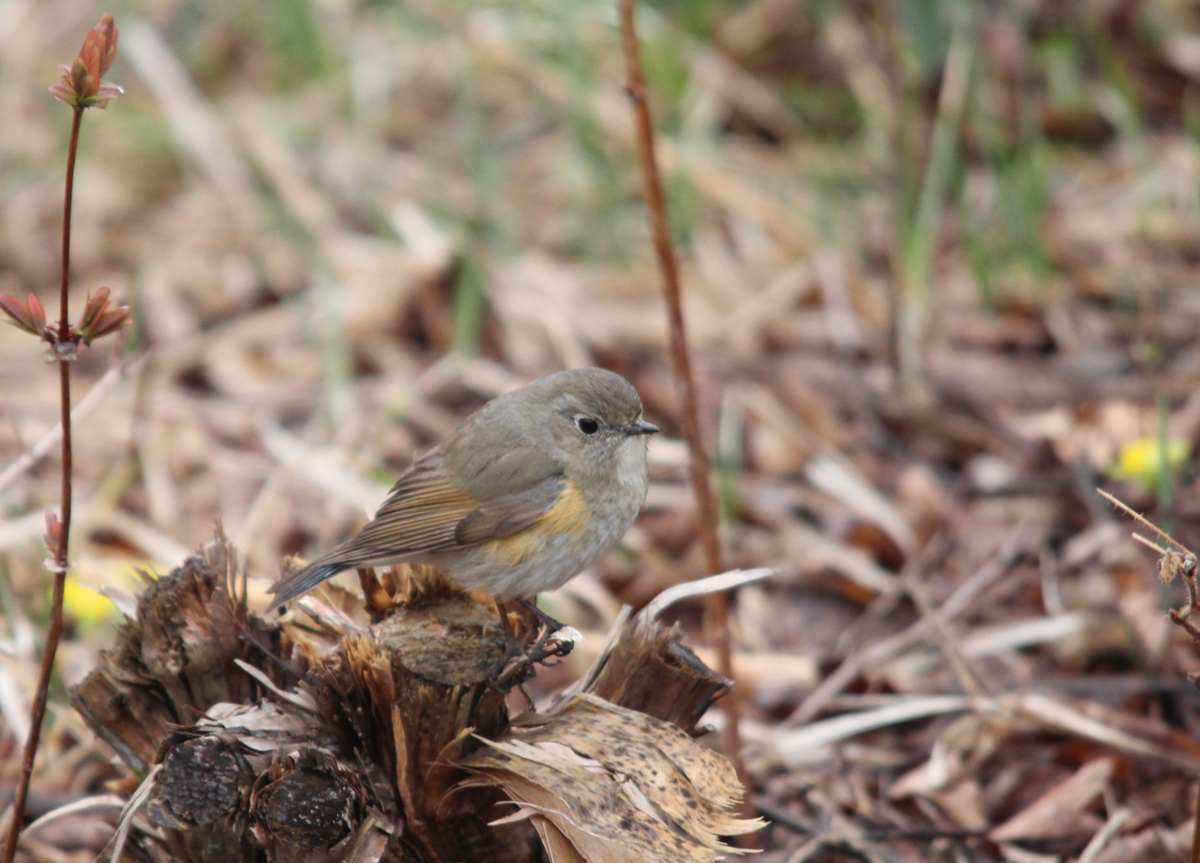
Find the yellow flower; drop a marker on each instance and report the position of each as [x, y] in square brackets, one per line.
[1143, 459]
[86, 605]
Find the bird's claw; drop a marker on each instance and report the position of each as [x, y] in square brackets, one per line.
[517, 663]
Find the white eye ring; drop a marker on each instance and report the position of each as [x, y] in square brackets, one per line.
[586, 424]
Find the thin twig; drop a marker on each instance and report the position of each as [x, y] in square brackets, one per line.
[54, 632]
[1149, 543]
[1137, 516]
[1196, 830]
[716, 606]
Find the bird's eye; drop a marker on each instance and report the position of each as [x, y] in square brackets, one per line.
[587, 425]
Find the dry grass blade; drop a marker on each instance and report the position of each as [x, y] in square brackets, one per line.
[803, 745]
[837, 477]
[132, 806]
[702, 587]
[98, 803]
[968, 677]
[1104, 835]
[810, 743]
[87, 404]
[1051, 713]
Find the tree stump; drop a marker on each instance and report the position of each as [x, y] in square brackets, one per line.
[347, 740]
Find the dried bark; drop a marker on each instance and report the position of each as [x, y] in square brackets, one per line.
[176, 659]
[368, 754]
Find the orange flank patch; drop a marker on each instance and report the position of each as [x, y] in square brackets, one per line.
[570, 514]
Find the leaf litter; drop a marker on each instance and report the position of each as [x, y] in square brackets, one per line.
[1059, 357]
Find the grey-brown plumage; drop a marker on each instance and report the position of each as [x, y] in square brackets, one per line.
[526, 493]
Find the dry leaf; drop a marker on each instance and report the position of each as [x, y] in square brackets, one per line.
[1061, 810]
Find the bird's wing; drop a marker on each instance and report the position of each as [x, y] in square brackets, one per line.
[425, 513]
[511, 513]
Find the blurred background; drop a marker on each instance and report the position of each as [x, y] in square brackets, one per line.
[940, 264]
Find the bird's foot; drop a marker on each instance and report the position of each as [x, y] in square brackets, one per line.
[511, 669]
[517, 664]
[556, 639]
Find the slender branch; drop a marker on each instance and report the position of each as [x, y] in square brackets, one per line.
[1142, 520]
[54, 631]
[64, 326]
[716, 609]
[64, 334]
[1195, 858]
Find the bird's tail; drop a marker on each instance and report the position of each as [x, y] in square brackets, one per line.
[296, 583]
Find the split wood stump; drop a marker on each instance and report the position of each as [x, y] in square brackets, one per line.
[330, 738]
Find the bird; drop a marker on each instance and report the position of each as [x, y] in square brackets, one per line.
[525, 494]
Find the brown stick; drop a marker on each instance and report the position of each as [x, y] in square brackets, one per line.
[717, 605]
[38, 713]
[1196, 830]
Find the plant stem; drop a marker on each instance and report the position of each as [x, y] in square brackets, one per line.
[1195, 858]
[919, 245]
[54, 632]
[716, 609]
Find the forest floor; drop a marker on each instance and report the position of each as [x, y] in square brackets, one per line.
[941, 285]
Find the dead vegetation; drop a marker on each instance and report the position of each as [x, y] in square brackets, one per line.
[357, 742]
[338, 242]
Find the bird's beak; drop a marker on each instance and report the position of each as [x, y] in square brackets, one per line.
[641, 427]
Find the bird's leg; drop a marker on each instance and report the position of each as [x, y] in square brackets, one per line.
[545, 647]
[538, 651]
[498, 676]
[512, 646]
[544, 619]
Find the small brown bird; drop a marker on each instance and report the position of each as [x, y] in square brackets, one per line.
[531, 489]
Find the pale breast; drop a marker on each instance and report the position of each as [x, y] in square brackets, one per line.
[577, 530]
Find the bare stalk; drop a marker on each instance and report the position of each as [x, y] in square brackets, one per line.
[917, 253]
[54, 632]
[716, 609]
[1196, 830]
